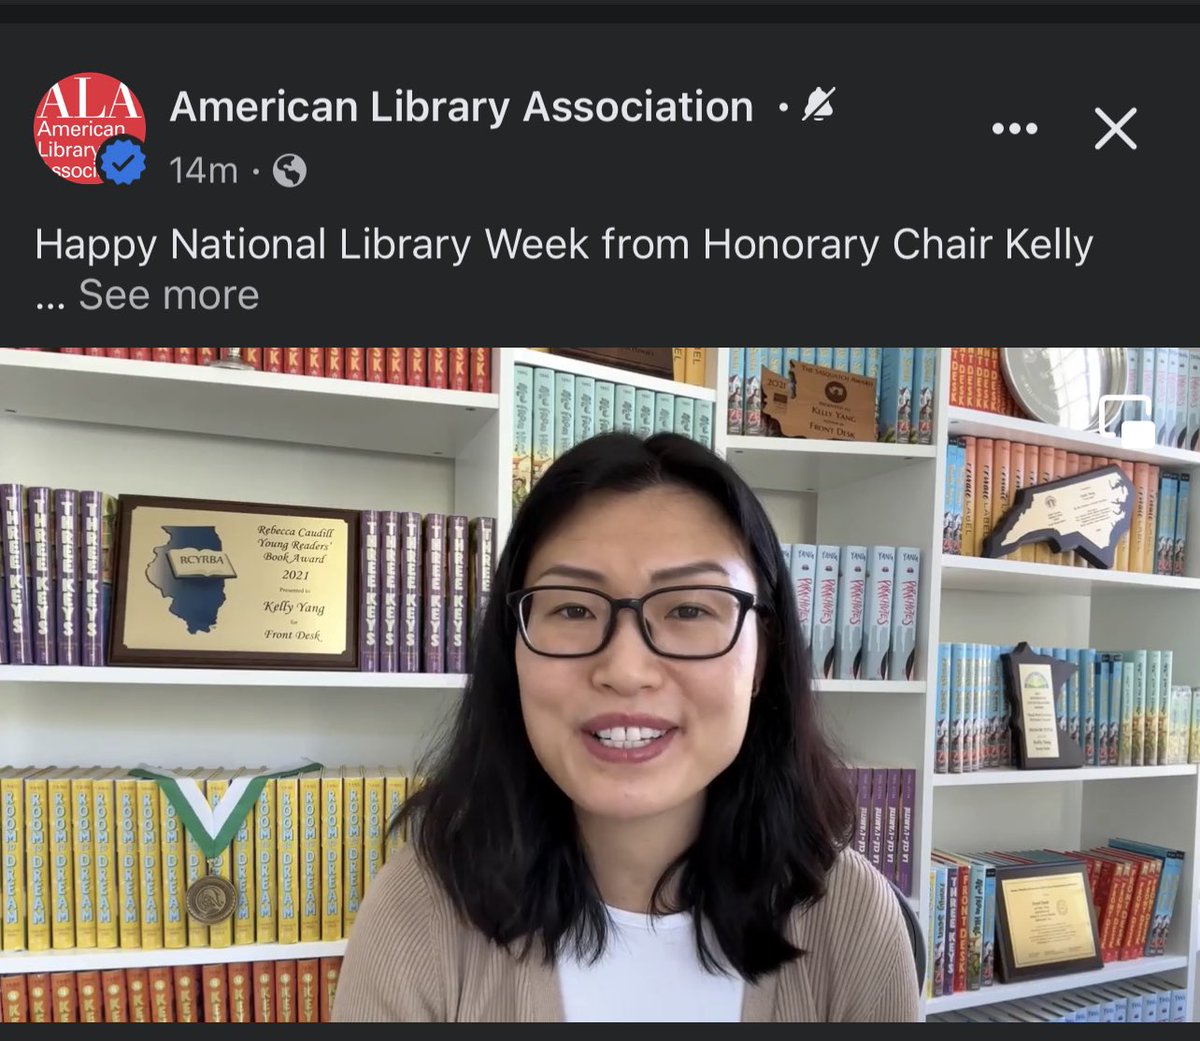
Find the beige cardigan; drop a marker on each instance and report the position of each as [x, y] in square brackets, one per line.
[411, 958]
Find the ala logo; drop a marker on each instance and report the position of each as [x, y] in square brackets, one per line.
[89, 128]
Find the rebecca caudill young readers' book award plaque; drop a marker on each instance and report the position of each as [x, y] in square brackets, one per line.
[236, 585]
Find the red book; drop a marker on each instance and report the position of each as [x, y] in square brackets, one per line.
[116, 352]
[185, 355]
[376, 365]
[314, 361]
[331, 969]
[395, 364]
[187, 994]
[164, 354]
[95, 352]
[116, 1002]
[264, 992]
[356, 363]
[285, 992]
[459, 362]
[162, 995]
[16, 1002]
[62, 997]
[308, 991]
[216, 1000]
[206, 355]
[253, 356]
[335, 363]
[241, 1003]
[416, 366]
[437, 367]
[91, 1004]
[70, 350]
[141, 353]
[273, 359]
[38, 986]
[137, 987]
[481, 369]
[293, 360]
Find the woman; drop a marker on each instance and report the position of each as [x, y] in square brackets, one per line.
[634, 816]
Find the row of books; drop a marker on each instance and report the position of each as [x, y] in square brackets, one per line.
[1132, 886]
[553, 411]
[983, 477]
[1151, 999]
[1122, 708]
[99, 859]
[905, 386]
[884, 809]
[977, 381]
[1170, 378]
[858, 609]
[447, 368]
[423, 580]
[299, 991]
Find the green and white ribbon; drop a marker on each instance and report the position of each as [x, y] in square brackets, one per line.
[213, 827]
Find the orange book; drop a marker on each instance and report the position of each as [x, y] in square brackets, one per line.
[459, 365]
[1002, 493]
[395, 364]
[137, 987]
[970, 497]
[1073, 464]
[91, 997]
[264, 992]
[1045, 472]
[216, 996]
[376, 364]
[1123, 559]
[185, 355]
[481, 369]
[162, 995]
[37, 986]
[241, 1001]
[116, 1001]
[62, 997]
[335, 363]
[164, 354]
[293, 360]
[206, 355]
[1152, 484]
[314, 361]
[1142, 534]
[331, 969]
[1060, 471]
[273, 361]
[437, 367]
[355, 363]
[416, 366]
[16, 1001]
[285, 992]
[308, 991]
[985, 475]
[253, 356]
[187, 994]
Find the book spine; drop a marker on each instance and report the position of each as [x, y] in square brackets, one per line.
[114, 998]
[394, 366]
[332, 853]
[376, 365]
[984, 518]
[877, 617]
[353, 885]
[585, 409]
[137, 989]
[925, 387]
[902, 659]
[625, 410]
[803, 568]
[39, 908]
[310, 858]
[395, 791]
[39, 508]
[82, 857]
[220, 934]
[862, 810]
[374, 827]
[970, 496]
[61, 873]
[264, 991]
[522, 459]
[12, 859]
[481, 369]
[643, 413]
[285, 992]
[330, 969]
[684, 420]
[735, 393]
[437, 366]
[389, 591]
[457, 618]
[1166, 683]
[314, 361]
[904, 863]
[287, 858]
[15, 571]
[355, 362]
[188, 993]
[174, 877]
[852, 579]
[66, 566]
[825, 612]
[755, 362]
[664, 413]
[433, 644]
[704, 422]
[308, 998]
[879, 794]
[273, 359]
[215, 988]
[368, 634]
[1193, 438]
[415, 366]
[411, 614]
[241, 1003]
[1182, 506]
[957, 707]
[564, 413]
[891, 825]
[91, 508]
[482, 534]
[543, 422]
[293, 361]
[243, 870]
[606, 402]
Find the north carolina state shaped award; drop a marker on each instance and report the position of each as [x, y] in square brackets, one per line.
[1031, 684]
[1088, 514]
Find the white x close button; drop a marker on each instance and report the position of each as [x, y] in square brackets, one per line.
[1115, 129]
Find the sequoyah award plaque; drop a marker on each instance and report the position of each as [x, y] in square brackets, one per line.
[236, 585]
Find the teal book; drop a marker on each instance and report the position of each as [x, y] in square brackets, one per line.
[564, 413]
[704, 422]
[664, 412]
[605, 407]
[644, 413]
[625, 413]
[585, 408]
[684, 422]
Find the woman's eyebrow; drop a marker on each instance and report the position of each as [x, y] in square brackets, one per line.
[670, 574]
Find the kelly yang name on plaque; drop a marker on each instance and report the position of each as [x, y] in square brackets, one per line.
[240, 585]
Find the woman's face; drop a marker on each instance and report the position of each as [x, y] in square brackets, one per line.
[690, 715]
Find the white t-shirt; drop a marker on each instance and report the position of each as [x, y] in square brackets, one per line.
[650, 972]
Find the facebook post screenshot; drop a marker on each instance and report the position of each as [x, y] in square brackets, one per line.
[657, 681]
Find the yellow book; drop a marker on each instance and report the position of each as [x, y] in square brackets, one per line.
[221, 934]
[396, 789]
[266, 890]
[310, 857]
[375, 817]
[62, 871]
[128, 875]
[37, 853]
[697, 366]
[174, 876]
[332, 856]
[287, 864]
[12, 857]
[105, 857]
[354, 823]
[679, 364]
[150, 864]
[83, 846]
[243, 881]
[195, 868]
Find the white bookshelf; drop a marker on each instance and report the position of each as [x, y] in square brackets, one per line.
[95, 960]
[142, 427]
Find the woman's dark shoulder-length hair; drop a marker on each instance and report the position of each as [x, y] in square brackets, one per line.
[500, 836]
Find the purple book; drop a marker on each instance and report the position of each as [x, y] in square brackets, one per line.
[16, 574]
[66, 562]
[389, 591]
[879, 781]
[457, 632]
[3, 605]
[862, 810]
[41, 565]
[410, 592]
[92, 620]
[904, 865]
[433, 648]
[891, 824]
[368, 621]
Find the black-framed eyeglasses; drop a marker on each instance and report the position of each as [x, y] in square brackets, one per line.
[690, 622]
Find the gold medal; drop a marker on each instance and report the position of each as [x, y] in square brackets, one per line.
[211, 899]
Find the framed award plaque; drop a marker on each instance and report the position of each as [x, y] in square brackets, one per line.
[235, 585]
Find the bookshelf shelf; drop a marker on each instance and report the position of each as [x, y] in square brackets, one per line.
[970, 423]
[800, 465]
[127, 677]
[544, 360]
[865, 687]
[984, 575]
[93, 960]
[269, 406]
[984, 778]
[1112, 973]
